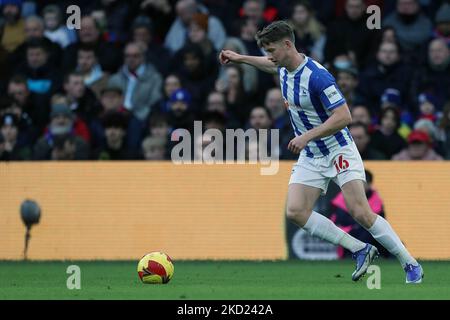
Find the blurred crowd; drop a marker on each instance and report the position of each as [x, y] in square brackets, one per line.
[117, 87]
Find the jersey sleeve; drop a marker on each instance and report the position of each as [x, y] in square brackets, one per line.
[324, 86]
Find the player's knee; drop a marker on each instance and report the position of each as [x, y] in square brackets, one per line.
[297, 214]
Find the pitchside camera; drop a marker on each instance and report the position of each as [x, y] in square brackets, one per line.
[30, 213]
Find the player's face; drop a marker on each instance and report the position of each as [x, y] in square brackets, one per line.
[276, 52]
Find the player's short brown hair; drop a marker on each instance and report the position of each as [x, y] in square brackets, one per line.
[274, 32]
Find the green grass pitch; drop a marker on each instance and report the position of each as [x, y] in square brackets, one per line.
[220, 280]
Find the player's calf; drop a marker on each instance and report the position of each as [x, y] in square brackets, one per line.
[363, 215]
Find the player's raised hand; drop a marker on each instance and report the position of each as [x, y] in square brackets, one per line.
[227, 56]
[297, 144]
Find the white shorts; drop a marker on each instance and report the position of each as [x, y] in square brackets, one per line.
[342, 165]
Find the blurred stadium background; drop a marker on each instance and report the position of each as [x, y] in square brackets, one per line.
[86, 119]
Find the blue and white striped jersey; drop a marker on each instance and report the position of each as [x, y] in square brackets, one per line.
[310, 93]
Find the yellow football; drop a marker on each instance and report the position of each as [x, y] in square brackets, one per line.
[155, 268]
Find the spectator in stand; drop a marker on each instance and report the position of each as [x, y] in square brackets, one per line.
[309, 32]
[232, 87]
[190, 64]
[154, 148]
[64, 148]
[91, 70]
[260, 118]
[43, 78]
[388, 71]
[419, 148]
[434, 76]
[427, 107]
[18, 90]
[5, 66]
[198, 34]
[55, 30]
[361, 137]
[28, 132]
[115, 148]
[3, 154]
[349, 34]
[367, 64]
[342, 62]
[63, 122]
[14, 25]
[250, 74]
[392, 98]
[160, 12]
[274, 102]
[112, 100]
[361, 113]
[261, 12]
[386, 138]
[347, 80]
[412, 26]
[171, 83]
[143, 31]
[176, 37]
[247, 29]
[109, 56]
[180, 114]
[114, 14]
[215, 102]
[140, 81]
[432, 130]
[214, 120]
[344, 220]
[247, 32]
[158, 126]
[81, 99]
[34, 30]
[442, 23]
[388, 34]
[444, 127]
[13, 150]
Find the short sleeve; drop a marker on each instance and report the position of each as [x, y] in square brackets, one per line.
[323, 86]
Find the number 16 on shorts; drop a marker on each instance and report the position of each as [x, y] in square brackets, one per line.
[341, 164]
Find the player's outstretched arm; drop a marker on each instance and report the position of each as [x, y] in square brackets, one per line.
[262, 63]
